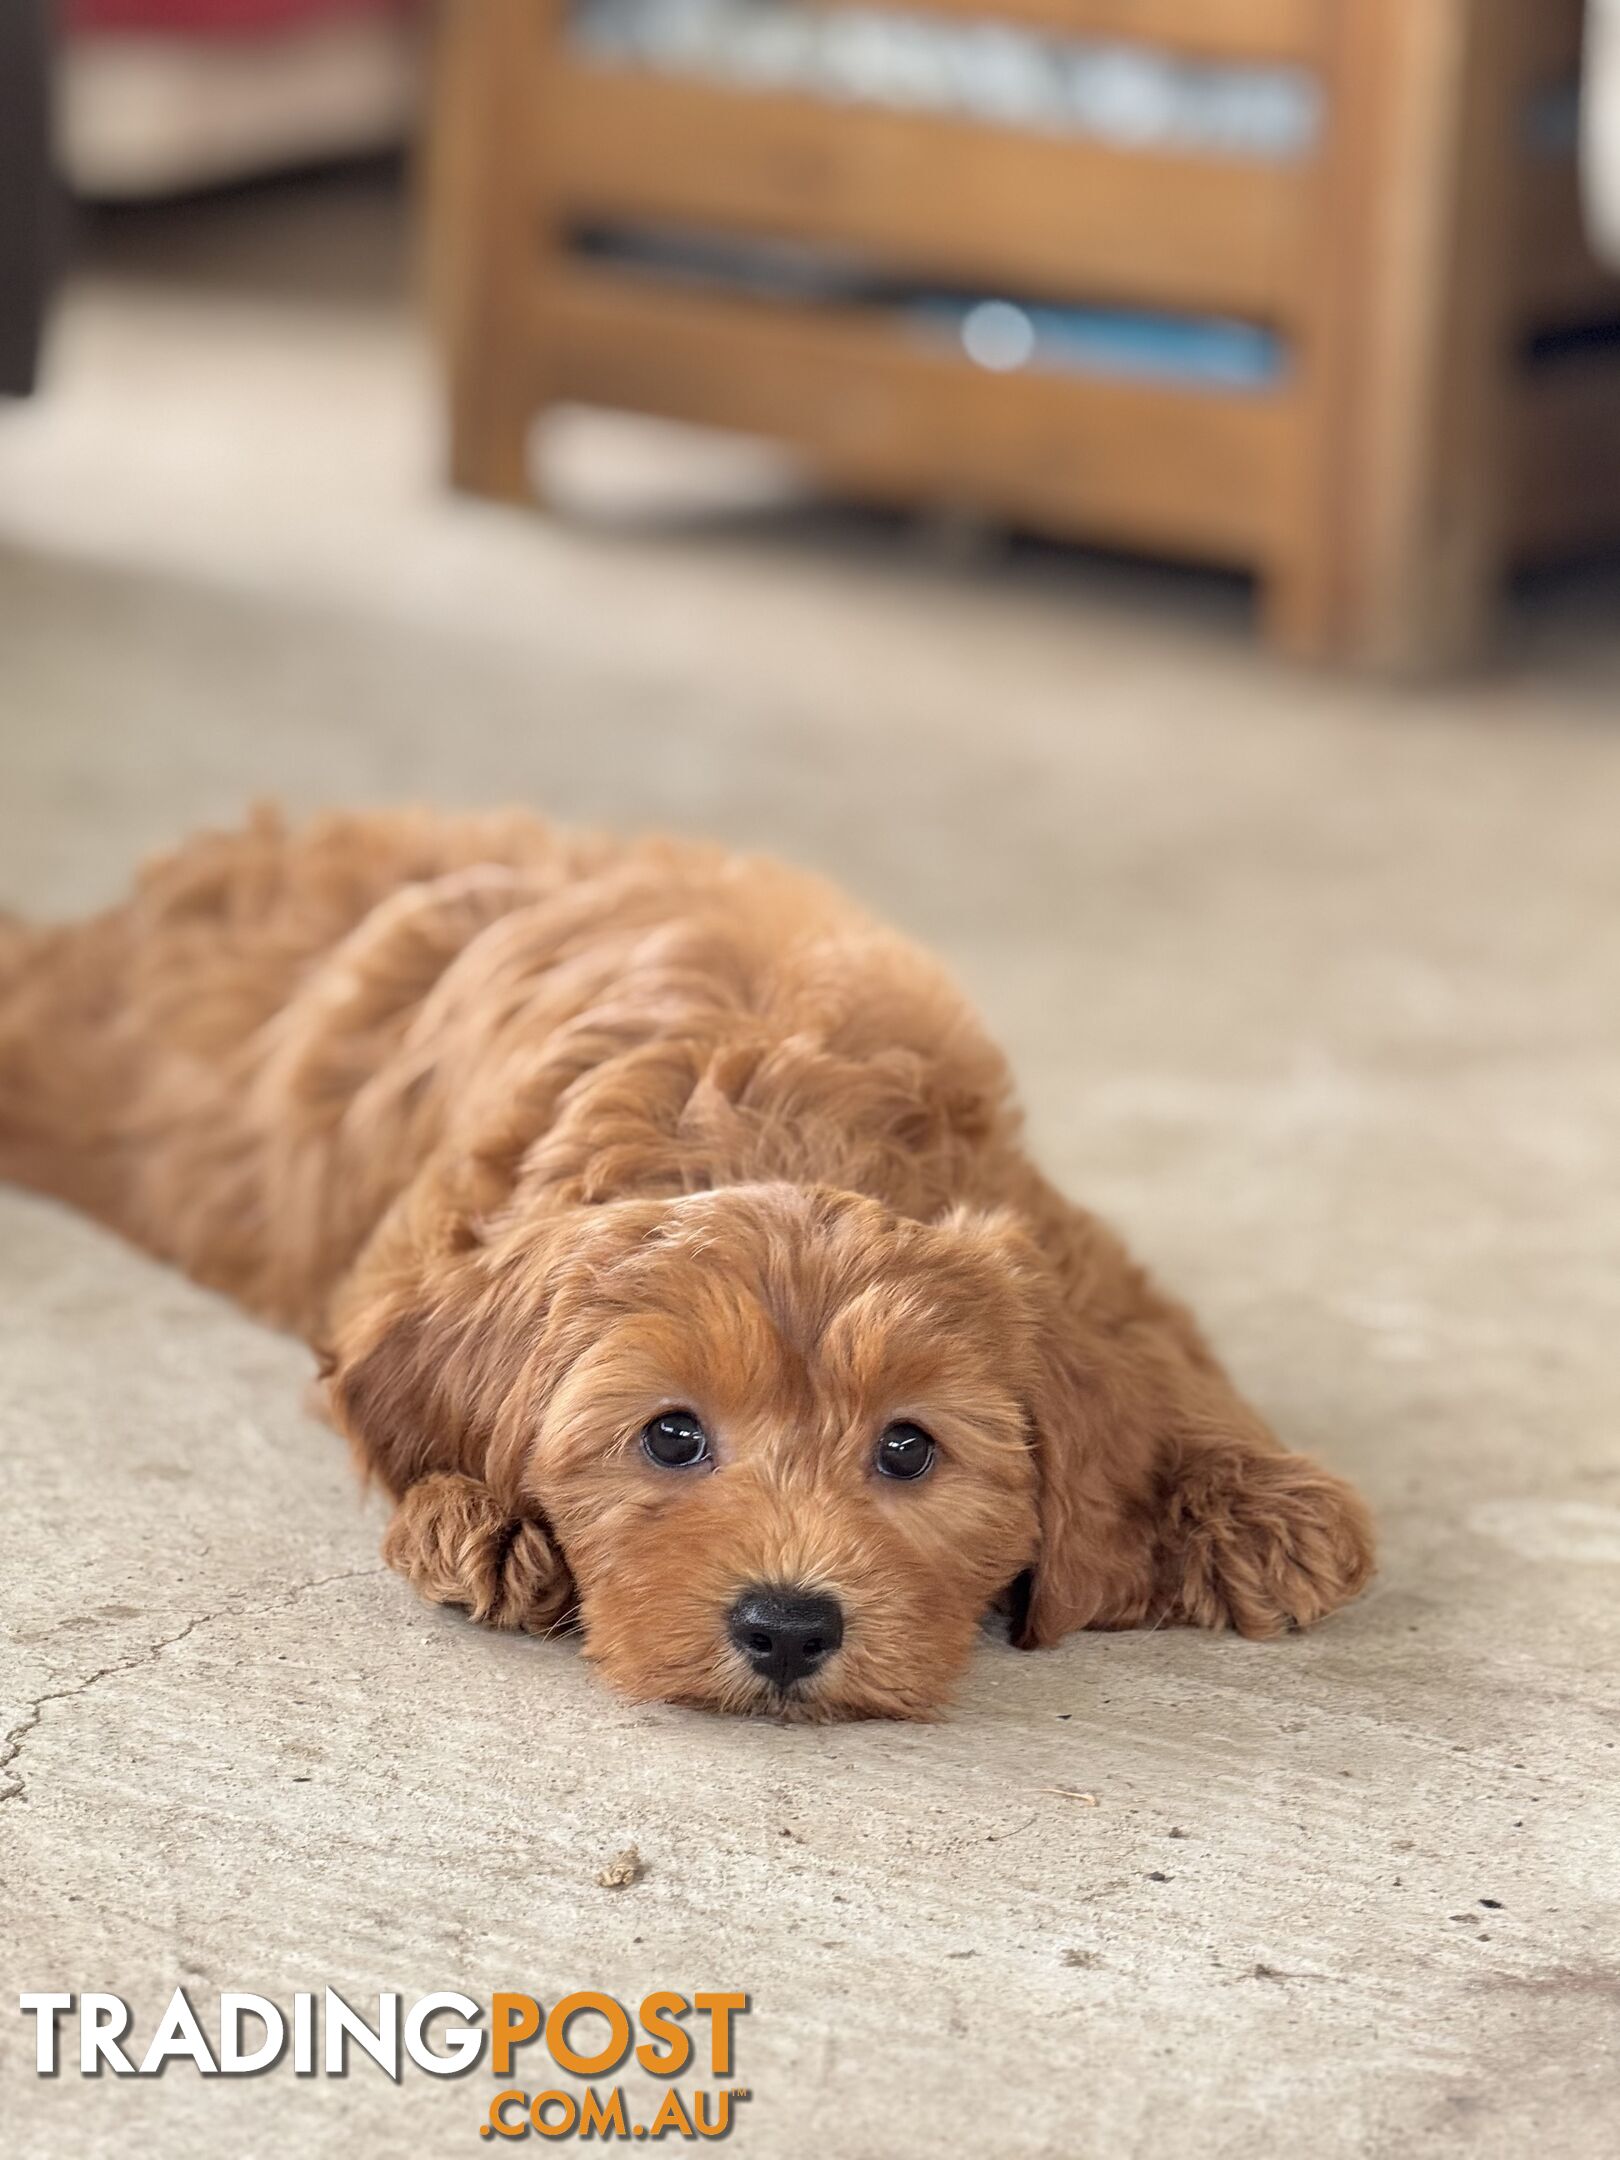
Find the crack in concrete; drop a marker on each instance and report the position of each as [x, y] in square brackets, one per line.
[12, 1745]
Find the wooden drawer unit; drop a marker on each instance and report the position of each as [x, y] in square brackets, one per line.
[1379, 482]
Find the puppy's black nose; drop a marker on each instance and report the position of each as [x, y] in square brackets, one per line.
[786, 1633]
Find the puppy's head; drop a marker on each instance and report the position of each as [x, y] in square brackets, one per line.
[787, 1456]
[781, 1435]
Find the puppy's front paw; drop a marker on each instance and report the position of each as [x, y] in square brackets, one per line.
[1261, 1541]
[451, 1540]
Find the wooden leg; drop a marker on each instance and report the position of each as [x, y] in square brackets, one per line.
[1299, 603]
[483, 234]
[489, 437]
[1401, 526]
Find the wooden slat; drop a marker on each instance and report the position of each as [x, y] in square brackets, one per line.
[1190, 472]
[1254, 29]
[1565, 492]
[939, 198]
[1559, 279]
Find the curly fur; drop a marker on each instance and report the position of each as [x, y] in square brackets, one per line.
[535, 1135]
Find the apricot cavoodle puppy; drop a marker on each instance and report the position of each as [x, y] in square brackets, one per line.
[661, 1226]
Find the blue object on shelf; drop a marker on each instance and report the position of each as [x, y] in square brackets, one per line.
[1005, 336]
[1135, 96]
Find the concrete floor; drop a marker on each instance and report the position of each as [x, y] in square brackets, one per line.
[1315, 989]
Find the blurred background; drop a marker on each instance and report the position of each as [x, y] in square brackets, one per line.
[1123, 484]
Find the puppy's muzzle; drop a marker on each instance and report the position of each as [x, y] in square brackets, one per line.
[786, 1633]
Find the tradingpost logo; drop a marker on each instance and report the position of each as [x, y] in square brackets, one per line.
[531, 2049]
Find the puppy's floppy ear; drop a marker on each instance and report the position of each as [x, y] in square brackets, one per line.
[404, 1387]
[1163, 1496]
[1094, 1564]
[381, 1400]
[457, 1328]
[436, 1341]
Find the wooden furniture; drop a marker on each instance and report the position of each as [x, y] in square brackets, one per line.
[1381, 489]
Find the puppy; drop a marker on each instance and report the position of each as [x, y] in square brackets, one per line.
[662, 1230]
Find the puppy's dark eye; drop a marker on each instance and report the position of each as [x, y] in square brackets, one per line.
[905, 1451]
[675, 1441]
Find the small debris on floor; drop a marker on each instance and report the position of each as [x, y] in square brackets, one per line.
[1081, 1960]
[622, 1870]
[997, 1837]
[1067, 1792]
[1158, 1875]
[1176, 1831]
[1491, 1904]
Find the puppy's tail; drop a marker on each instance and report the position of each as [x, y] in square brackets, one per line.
[24, 952]
[56, 1092]
[18, 942]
